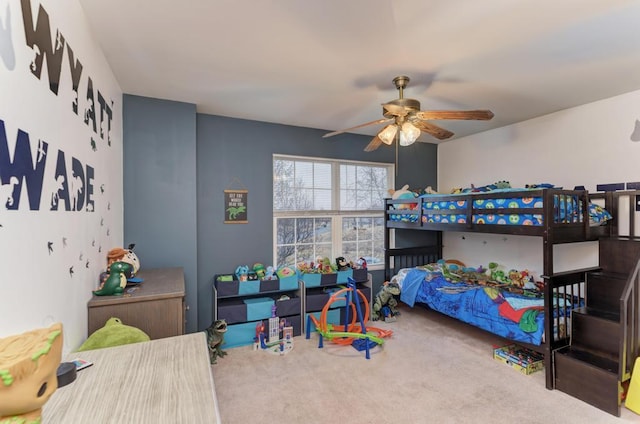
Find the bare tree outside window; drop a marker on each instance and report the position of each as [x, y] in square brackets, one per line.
[305, 189]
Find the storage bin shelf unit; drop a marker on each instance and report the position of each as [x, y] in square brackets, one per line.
[316, 297]
[246, 304]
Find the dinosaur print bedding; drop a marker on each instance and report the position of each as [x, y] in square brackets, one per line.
[510, 309]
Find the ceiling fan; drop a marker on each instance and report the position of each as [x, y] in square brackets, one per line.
[406, 121]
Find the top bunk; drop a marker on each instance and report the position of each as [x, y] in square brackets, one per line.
[559, 216]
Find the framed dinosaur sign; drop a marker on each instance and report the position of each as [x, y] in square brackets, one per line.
[235, 206]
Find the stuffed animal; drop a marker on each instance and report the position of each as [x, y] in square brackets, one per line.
[114, 333]
[242, 272]
[260, 270]
[119, 254]
[215, 339]
[403, 193]
[342, 264]
[385, 298]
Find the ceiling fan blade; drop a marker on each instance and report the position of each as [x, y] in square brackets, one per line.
[478, 115]
[434, 130]
[377, 121]
[373, 144]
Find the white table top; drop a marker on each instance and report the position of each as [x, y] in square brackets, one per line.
[162, 381]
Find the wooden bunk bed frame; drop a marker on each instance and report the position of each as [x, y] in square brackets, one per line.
[556, 228]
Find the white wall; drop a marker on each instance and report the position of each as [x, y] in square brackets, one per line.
[40, 285]
[585, 145]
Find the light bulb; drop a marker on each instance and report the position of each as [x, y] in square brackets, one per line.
[409, 134]
[388, 133]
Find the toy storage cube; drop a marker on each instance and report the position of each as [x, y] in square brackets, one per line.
[226, 288]
[310, 280]
[239, 335]
[289, 283]
[232, 311]
[249, 287]
[316, 299]
[328, 279]
[288, 307]
[259, 308]
[343, 276]
[269, 285]
[360, 275]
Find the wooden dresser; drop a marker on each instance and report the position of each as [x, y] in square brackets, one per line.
[156, 306]
[160, 381]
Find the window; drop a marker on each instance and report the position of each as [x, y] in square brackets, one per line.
[329, 208]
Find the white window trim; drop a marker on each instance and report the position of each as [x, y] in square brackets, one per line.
[336, 224]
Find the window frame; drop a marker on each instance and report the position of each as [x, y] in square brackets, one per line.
[335, 214]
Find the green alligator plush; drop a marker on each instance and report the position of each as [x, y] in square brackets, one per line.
[114, 333]
[385, 298]
[215, 339]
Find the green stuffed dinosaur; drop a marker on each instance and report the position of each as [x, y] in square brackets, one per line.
[385, 298]
[215, 339]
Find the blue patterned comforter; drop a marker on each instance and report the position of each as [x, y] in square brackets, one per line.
[513, 316]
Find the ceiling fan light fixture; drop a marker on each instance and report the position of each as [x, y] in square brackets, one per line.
[388, 134]
[408, 134]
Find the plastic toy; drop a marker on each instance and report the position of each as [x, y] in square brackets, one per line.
[356, 335]
[28, 366]
[275, 344]
[116, 281]
[385, 298]
[215, 339]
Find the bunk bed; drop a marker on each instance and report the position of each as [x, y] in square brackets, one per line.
[555, 215]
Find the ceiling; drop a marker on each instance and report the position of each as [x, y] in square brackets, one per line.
[329, 64]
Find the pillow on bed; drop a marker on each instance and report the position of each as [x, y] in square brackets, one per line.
[598, 215]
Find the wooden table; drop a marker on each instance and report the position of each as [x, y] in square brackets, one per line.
[156, 306]
[161, 381]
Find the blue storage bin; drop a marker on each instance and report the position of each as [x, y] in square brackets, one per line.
[343, 276]
[249, 287]
[239, 335]
[259, 308]
[289, 283]
[310, 280]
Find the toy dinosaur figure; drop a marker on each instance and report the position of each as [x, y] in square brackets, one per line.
[385, 298]
[117, 280]
[215, 339]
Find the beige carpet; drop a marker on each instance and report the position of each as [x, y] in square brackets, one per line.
[432, 370]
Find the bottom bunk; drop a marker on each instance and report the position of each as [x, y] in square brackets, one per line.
[507, 303]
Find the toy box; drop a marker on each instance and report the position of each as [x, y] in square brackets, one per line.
[524, 360]
[259, 307]
[288, 283]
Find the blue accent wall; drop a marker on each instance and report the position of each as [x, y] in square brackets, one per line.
[160, 188]
[225, 153]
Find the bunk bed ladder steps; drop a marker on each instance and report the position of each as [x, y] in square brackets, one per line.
[588, 368]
